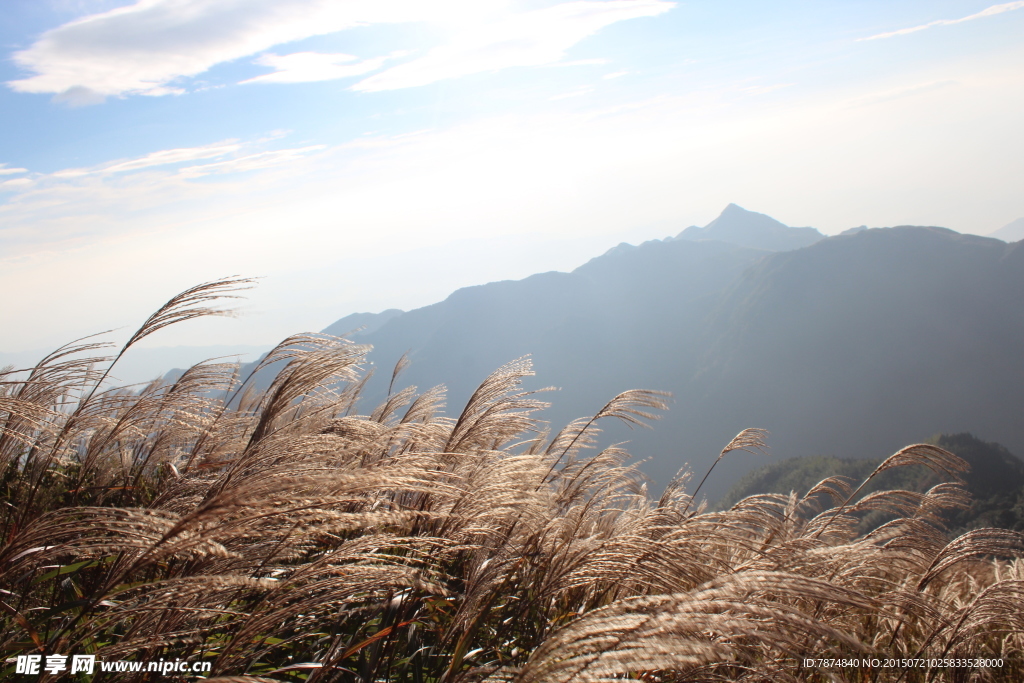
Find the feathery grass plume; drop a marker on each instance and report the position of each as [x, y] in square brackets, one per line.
[497, 411]
[399, 368]
[631, 407]
[974, 543]
[191, 304]
[837, 488]
[751, 440]
[683, 631]
[934, 458]
[312, 362]
[188, 305]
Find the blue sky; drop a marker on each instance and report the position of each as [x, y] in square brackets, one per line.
[367, 155]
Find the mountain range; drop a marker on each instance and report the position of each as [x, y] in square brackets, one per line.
[849, 346]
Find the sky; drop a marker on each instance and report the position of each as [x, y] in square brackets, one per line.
[363, 155]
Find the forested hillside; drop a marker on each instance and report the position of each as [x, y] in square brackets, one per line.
[995, 481]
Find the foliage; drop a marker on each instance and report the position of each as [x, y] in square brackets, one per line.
[995, 481]
[282, 536]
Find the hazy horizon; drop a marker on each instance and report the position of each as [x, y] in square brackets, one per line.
[369, 156]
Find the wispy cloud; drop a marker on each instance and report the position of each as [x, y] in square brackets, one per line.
[987, 12]
[160, 158]
[535, 38]
[307, 67]
[251, 162]
[166, 158]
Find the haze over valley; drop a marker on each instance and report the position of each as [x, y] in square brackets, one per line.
[848, 346]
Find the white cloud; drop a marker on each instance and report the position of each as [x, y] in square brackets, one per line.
[174, 156]
[987, 12]
[79, 96]
[250, 162]
[533, 38]
[145, 47]
[150, 47]
[160, 158]
[99, 180]
[306, 67]
[71, 209]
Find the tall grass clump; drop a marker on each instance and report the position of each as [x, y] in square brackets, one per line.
[281, 535]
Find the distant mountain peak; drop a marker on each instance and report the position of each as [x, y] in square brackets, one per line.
[739, 226]
[735, 218]
[1011, 232]
[736, 209]
[361, 324]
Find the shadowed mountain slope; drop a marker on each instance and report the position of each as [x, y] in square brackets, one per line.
[853, 347]
[862, 343]
[630, 318]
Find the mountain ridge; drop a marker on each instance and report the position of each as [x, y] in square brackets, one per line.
[852, 346]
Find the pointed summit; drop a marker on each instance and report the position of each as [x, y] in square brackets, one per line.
[745, 228]
[1011, 232]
